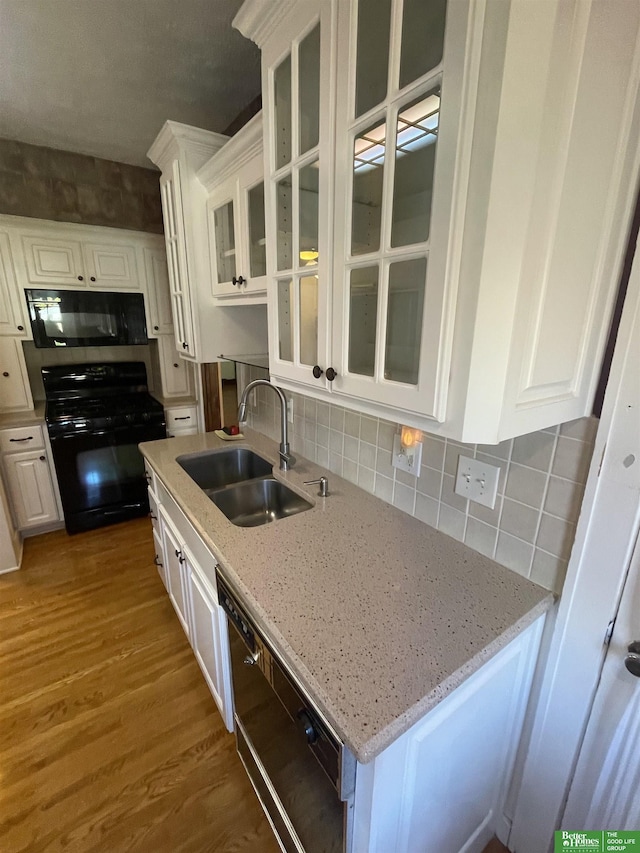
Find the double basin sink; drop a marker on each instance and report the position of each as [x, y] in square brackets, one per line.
[241, 484]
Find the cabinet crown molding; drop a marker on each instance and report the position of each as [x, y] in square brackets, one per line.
[175, 139]
[257, 19]
[241, 148]
[79, 230]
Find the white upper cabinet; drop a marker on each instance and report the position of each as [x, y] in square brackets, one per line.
[12, 308]
[203, 329]
[464, 282]
[234, 179]
[65, 258]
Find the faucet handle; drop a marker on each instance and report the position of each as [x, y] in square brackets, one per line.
[323, 482]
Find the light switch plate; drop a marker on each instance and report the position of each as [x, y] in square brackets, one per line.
[477, 481]
[407, 458]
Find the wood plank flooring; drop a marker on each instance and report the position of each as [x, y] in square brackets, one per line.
[109, 738]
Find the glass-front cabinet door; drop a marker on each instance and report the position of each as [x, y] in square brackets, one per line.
[389, 335]
[236, 223]
[297, 80]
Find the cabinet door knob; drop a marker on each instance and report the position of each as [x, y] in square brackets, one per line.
[240, 280]
[43, 458]
[331, 374]
[80, 278]
[93, 278]
[4, 373]
[155, 328]
[317, 371]
[185, 345]
[175, 364]
[21, 328]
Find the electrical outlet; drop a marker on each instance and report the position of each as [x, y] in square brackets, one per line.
[477, 481]
[407, 458]
[290, 409]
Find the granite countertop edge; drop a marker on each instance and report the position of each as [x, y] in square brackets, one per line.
[185, 493]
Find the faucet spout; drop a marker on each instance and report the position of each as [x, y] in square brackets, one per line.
[287, 459]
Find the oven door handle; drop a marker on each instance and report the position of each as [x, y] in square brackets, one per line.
[81, 433]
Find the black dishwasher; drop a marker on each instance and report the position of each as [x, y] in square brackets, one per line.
[302, 773]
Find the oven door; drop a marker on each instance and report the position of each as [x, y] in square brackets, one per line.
[299, 798]
[101, 475]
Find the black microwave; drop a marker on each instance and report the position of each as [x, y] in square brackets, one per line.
[81, 318]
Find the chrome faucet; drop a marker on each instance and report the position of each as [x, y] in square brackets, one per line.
[287, 459]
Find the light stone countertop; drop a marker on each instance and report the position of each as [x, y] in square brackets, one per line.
[30, 417]
[379, 615]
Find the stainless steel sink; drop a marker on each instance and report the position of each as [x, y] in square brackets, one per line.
[212, 469]
[258, 502]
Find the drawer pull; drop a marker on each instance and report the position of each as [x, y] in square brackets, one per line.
[183, 418]
[157, 561]
[153, 517]
[29, 438]
[5, 374]
[43, 458]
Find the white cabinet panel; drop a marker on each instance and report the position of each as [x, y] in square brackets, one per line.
[209, 637]
[160, 320]
[52, 261]
[111, 266]
[174, 563]
[175, 372]
[15, 393]
[234, 179]
[31, 488]
[12, 310]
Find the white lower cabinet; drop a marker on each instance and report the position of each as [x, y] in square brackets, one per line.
[187, 569]
[31, 489]
[443, 785]
[209, 638]
[175, 570]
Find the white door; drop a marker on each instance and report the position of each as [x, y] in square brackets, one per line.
[15, 392]
[158, 292]
[11, 299]
[175, 372]
[174, 572]
[605, 793]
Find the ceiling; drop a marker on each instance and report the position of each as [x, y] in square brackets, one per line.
[100, 77]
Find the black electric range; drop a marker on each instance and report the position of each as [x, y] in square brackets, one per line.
[96, 416]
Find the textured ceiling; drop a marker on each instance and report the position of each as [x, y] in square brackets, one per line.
[100, 77]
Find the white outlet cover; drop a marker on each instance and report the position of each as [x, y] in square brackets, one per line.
[477, 481]
[406, 458]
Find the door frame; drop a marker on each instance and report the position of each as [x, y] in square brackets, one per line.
[602, 552]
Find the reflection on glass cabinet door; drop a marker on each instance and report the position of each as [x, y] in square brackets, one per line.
[309, 90]
[363, 319]
[405, 311]
[308, 321]
[225, 242]
[257, 241]
[415, 153]
[285, 326]
[372, 54]
[308, 214]
[422, 38]
[368, 180]
[282, 94]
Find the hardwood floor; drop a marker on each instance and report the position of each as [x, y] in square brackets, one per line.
[109, 737]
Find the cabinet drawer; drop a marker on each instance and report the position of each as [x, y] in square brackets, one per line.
[182, 418]
[21, 438]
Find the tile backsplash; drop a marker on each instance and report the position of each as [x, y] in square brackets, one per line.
[542, 478]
